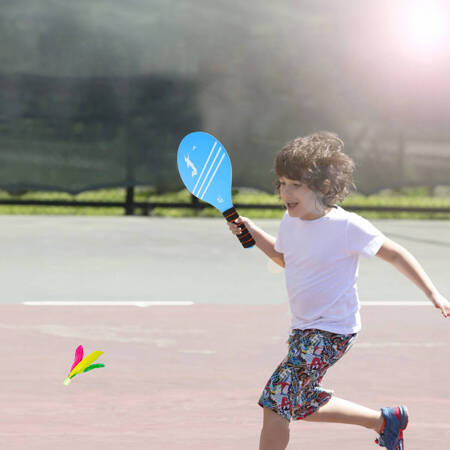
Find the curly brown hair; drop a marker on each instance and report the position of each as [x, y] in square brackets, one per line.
[312, 160]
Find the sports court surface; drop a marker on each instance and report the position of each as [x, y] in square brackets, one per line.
[188, 375]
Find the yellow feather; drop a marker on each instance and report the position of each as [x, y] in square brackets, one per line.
[85, 362]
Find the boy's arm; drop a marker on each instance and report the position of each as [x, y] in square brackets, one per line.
[264, 241]
[407, 264]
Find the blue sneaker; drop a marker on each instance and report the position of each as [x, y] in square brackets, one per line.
[395, 421]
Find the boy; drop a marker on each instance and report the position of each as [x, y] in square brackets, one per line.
[318, 244]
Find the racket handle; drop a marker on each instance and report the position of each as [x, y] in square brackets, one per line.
[245, 237]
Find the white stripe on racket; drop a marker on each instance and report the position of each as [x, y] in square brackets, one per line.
[203, 169]
[209, 170]
[213, 175]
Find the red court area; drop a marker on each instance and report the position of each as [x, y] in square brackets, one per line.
[189, 377]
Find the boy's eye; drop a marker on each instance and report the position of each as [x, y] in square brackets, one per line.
[282, 183]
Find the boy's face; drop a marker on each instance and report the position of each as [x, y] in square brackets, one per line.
[299, 200]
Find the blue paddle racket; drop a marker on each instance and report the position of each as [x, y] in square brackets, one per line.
[205, 168]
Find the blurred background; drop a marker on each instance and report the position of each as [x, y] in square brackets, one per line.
[99, 94]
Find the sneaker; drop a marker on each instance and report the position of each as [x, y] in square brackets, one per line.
[395, 421]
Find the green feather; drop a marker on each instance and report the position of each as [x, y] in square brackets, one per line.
[91, 367]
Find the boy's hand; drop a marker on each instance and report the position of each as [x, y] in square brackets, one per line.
[247, 222]
[440, 302]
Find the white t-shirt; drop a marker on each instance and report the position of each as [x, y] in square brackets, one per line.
[321, 268]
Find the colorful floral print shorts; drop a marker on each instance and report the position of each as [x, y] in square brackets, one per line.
[294, 391]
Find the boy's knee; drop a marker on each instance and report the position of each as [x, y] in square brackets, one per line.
[275, 434]
[272, 420]
[275, 431]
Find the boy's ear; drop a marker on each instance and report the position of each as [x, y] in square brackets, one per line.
[326, 186]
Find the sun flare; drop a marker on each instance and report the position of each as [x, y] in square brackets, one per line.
[427, 24]
[425, 27]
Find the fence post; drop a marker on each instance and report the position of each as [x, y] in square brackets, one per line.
[196, 204]
[129, 202]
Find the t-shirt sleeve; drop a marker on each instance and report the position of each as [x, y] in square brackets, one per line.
[278, 246]
[279, 240]
[363, 237]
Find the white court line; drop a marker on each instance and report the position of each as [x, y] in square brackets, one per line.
[140, 304]
[202, 352]
[401, 344]
[386, 303]
[145, 304]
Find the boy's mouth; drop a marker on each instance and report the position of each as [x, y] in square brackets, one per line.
[291, 205]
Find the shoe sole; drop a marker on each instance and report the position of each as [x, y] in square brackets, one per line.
[401, 413]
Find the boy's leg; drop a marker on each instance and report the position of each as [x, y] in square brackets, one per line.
[337, 410]
[275, 431]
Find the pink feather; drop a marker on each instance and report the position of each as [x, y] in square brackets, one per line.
[78, 357]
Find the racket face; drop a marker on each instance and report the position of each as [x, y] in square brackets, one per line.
[205, 168]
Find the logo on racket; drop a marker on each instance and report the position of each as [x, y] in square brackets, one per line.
[190, 164]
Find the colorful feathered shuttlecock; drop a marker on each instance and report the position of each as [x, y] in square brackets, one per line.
[81, 365]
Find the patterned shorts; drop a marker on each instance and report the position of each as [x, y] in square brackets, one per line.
[294, 391]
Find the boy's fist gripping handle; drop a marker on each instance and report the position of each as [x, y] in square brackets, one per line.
[245, 237]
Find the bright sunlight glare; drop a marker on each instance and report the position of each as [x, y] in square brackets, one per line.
[425, 27]
[427, 24]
